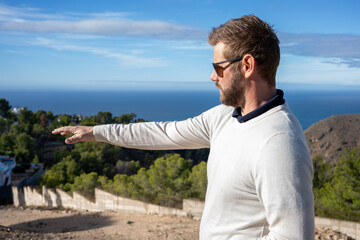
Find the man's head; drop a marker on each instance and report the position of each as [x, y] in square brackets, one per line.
[249, 35]
[231, 84]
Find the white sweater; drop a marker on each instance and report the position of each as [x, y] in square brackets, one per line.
[259, 172]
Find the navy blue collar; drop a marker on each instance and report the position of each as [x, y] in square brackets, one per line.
[277, 100]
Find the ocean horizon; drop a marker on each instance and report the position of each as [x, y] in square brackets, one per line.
[152, 105]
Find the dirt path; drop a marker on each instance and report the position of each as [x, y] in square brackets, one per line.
[40, 223]
[67, 224]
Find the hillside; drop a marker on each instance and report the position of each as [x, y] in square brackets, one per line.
[329, 137]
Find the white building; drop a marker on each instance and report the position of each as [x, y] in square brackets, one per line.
[16, 110]
[7, 164]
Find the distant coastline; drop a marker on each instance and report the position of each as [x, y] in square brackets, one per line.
[309, 106]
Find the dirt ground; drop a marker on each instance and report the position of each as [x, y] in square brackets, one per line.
[41, 223]
[69, 224]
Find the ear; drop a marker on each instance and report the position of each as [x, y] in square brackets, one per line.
[248, 65]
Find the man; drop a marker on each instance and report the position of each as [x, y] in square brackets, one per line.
[259, 167]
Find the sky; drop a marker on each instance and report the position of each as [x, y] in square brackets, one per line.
[162, 44]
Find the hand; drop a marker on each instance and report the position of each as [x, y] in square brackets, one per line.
[80, 133]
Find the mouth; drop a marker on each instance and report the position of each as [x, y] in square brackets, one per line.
[218, 86]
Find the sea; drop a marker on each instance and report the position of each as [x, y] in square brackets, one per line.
[309, 106]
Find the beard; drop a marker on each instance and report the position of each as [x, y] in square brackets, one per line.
[234, 94]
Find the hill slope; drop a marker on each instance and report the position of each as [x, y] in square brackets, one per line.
[329, 137]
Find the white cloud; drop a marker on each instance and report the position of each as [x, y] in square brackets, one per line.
[192, 46]
[108, 24]
[125, 59]
[16, 14]
[339, 46]
[16, 52]
[316, 70]
[107, 27]
[109, 15]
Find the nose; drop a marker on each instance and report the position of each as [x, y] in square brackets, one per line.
[214, 77]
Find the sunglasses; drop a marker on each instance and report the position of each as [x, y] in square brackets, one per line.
[220, 70]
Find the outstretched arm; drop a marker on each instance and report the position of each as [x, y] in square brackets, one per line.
[80, 133]
[188, 134]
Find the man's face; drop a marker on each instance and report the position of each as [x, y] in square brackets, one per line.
[231, 85]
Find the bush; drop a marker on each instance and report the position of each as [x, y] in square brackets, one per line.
[61, 173]
[340, 198]
[198, 180]
[167, 182]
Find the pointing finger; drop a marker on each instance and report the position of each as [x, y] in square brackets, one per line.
[63, 130]
[80, 133]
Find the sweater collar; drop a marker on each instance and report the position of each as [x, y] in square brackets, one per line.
[277, 100]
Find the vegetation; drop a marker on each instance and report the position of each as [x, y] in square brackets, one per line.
[167, 182]
[161, 177]
[338, 195]
[83, 166]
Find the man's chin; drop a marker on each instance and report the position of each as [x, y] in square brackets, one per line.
[226, 101]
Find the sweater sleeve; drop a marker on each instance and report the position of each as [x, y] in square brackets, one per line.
[188, 134]
[283, 179]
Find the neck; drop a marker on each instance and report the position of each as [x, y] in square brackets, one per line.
[256, 96]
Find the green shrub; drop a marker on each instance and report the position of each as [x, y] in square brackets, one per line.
[340, 198]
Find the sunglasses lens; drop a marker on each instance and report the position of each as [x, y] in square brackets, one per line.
[219, 70]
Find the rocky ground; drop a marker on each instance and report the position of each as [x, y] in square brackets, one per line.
[329, 137]
[40, 223]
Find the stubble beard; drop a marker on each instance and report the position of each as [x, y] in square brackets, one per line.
[234, 95]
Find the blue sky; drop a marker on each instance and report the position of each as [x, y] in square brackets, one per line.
[161, 44]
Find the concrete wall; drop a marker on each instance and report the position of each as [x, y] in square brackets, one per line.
[193, 207]
[29, 196]
[33, 197]
[352, 229]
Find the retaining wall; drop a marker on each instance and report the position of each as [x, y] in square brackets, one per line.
[193, 208]
[351, 229]
[29, 196]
